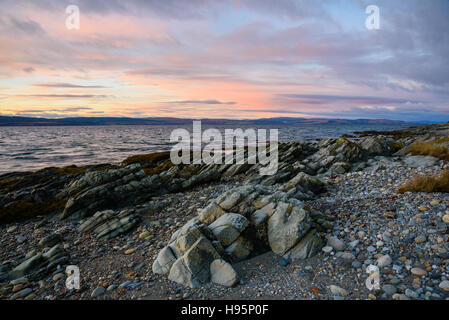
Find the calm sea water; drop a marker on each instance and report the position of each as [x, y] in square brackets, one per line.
[33, 148]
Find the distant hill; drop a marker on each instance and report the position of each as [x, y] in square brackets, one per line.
[108, 121]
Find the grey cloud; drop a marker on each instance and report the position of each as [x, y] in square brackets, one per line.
[327, 99]
[67, 96]
[13, 25]
[201, 102]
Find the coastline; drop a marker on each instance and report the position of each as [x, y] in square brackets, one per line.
[357, 214]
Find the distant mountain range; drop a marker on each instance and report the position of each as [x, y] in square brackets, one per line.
[107, 121]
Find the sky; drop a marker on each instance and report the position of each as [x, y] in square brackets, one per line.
[235, 59]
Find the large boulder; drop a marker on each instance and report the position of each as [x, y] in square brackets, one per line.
[286, 227]
[193, 268]
[306, 248]
[223, 273]
[378, 145]
[164, 261]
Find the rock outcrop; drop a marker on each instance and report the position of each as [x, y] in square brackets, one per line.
[240, 223]
[109, 224]
[40, 263]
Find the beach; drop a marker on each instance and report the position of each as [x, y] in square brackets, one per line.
[148, 229]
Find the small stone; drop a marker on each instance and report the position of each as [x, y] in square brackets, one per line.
[420, 239]
[398, 296]
[284, 262]
[327, 249]
[18, 287]
[411, 294]
[384, 261]
[130, 251]
[22, 280]
[389, 289]
[444, 285]
[111, 287]
[418, 272]
[21, 239]
[11, 229]
[345, 256]
[446, 218]
[97, 292]
[390, 215]
[144, 235]
[25, 292]
[336, 243]
[338, 291]
[58, 276]
[371, 249]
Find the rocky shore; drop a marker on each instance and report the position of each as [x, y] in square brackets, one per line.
[148, 229]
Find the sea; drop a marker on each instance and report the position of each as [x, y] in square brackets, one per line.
[34, 148]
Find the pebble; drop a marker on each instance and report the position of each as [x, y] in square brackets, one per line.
[418, 272]
[411, 293]
[284, 262]
[22, 294]
[144, 235]
[389, 289]
[384, 261]
[58, 276]
[327, 249]
[336, 243]
[111, 287]
[446, 218]
[444, 285]
[130, 251]
[371, 249]
[420, 239]
[338, 291]
[97, 292]
[11, 229]
[21, 239]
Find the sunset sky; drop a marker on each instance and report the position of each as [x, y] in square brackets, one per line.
[225, 59]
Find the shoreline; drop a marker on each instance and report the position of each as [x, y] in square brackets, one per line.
[57, 153]
[114, 222]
